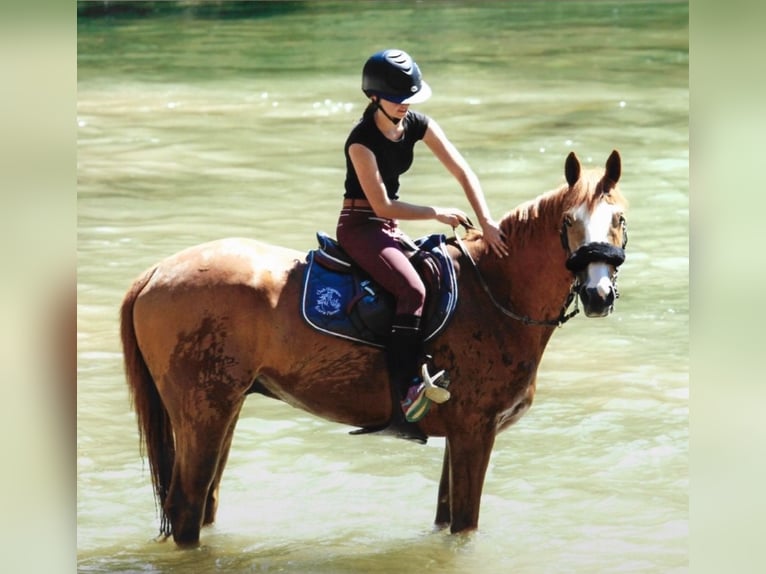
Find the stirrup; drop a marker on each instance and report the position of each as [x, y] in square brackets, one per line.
[436, 385]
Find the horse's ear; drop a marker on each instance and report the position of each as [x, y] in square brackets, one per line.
[614, 166]
[572, 168]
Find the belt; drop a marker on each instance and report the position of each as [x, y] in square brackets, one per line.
[354, 203]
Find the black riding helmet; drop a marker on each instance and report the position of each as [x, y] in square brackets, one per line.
[394, 76]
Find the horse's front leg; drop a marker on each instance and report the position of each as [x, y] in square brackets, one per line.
[443, 515]
[468, 454]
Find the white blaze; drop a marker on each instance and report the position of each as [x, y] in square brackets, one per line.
[597, 225]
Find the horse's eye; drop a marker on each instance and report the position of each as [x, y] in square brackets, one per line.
[624, 227]
[568, 220]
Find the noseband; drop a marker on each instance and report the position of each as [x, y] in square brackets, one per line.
[594, 252]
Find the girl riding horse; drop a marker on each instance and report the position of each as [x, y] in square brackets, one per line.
[378, 150]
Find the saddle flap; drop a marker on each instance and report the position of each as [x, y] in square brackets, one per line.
[438, 273]
[427, 266]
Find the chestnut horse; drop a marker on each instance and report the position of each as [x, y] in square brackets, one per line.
[206, 327]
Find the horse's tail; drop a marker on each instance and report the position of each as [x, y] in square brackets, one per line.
[155, 430]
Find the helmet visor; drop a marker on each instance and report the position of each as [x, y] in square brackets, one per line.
[420, 96]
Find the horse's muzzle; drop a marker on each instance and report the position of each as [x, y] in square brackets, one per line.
[595, 303]
[597, 289]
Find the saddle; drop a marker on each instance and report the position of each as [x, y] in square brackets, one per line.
[340, 299]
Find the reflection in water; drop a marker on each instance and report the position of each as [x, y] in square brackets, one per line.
[194, 128]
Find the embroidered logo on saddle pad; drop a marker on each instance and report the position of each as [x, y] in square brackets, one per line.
[340, 299]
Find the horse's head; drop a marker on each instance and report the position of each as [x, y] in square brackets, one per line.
[594, 234]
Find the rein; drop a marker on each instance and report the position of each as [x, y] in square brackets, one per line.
[526, 320]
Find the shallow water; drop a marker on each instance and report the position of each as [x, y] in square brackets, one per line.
[194, 126]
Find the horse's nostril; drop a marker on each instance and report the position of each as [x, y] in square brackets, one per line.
[599, 293]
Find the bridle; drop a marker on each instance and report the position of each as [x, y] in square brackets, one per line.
[576, 262]
[595, 252]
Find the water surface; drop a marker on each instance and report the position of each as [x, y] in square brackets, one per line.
[205, 123]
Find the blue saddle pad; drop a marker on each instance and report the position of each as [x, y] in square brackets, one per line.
[343, 301]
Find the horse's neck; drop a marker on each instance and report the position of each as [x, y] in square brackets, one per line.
[532, 279]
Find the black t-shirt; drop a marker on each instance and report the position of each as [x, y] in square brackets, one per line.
[394, 158]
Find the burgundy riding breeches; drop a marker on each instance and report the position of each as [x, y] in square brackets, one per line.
[373, 242]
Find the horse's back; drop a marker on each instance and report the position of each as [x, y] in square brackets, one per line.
[230, 261]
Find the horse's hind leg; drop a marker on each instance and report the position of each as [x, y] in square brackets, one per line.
[199, 445]
[211, 507]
